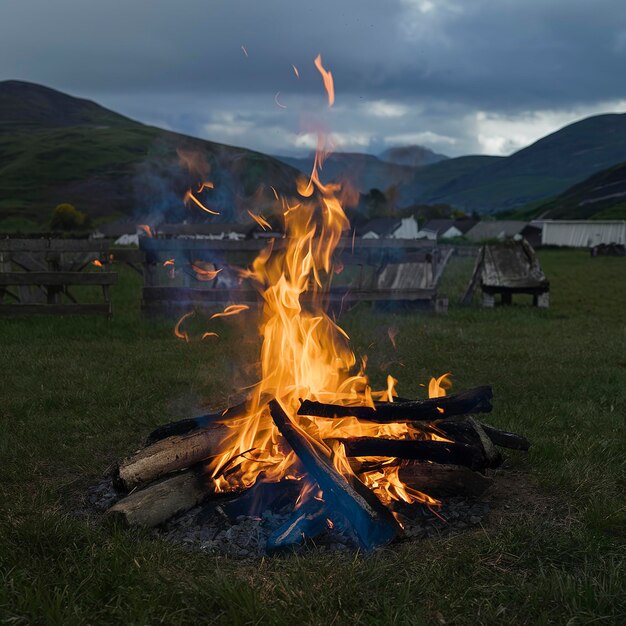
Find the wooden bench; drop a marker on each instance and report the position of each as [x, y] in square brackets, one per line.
[506, 269]
[37, 276]
[367, 275]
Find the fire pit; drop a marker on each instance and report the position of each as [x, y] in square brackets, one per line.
[313, 436]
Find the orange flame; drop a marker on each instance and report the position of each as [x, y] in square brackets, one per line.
[97, 263]
[328, 80]
[233, 309]
[168, 262]
[202, 271]
[206, 335]
[181, 334]
[189, 196]
[146, 229]
[295, 71]
[261, 221]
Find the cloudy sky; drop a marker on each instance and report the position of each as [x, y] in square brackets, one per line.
[458, 76]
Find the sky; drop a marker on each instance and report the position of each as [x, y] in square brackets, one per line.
[457, 76]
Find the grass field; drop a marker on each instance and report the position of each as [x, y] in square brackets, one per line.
[77, 394]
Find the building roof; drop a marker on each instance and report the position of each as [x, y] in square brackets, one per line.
[202, 229]
[465, 225]
[438, 226]
[498, 229]
[382, 226]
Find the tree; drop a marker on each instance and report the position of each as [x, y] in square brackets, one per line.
[67, 217]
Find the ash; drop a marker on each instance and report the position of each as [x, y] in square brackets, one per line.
[220, 528]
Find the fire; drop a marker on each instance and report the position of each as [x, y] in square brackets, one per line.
[261, 221]
[204, 270]
[328, 80]
[306, 355]
[97, 263]
[146, 229]
[189, 196]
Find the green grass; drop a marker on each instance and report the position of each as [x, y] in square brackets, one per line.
[78, 394]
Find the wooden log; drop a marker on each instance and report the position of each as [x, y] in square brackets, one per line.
[182, 427]
[434, 451]
[443, 480]
[350, 499]
[165, 498]
[505, 439]
[169, 455]
[468, 430]
[476, 400]
[307, 522]
[155, 504]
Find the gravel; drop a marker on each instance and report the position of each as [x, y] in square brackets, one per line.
[219, 527]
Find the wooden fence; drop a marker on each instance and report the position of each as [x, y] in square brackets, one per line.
[182, 274]
[39, 275]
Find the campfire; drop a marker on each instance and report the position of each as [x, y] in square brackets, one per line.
[312, 425]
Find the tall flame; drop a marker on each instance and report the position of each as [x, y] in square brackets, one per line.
[305, 354]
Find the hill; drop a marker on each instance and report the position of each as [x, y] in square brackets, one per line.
[601, 196]
[415, 156]
[542, 170]
[56, 148]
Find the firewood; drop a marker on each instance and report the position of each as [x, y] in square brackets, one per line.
[161, 500]
[435, 451]
[307, 522]
[442, 480]
[476, 400]
[183, 427]
[372, 522]
[505, 439]
[169, 455]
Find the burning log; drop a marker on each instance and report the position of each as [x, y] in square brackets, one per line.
[155, 504]
[372, 522]
[443, 480]
[476, 400]
[169, 455]
[436, 451]
[183, 427]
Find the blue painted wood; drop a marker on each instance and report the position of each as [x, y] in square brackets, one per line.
[307, 522]
[373, 523]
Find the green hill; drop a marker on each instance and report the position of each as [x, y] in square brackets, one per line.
[601, 196]
[542, 170]
[56, 148]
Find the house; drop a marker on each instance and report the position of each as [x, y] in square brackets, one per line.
[582, 233]
[445, 228]
[114, 230]
[389, 228]
[504, 229]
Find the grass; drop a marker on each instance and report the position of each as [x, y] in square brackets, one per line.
[80, 393]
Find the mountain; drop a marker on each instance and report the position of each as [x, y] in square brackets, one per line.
[415, 156]
[363, 171]
[601, 196]
[56, 148]
[544, 169]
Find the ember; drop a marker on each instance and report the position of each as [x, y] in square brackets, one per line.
[313, 418]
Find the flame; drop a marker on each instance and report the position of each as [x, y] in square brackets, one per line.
[295, 71]
[437, 386]
[204, 270]
[328, 80]
[233, 309]
[181, 334]
[206, 335]
[306, 355]
[146, 229]
[205, 185]
[261, 221]
[189, 196]
[97, 263]
[168, 262]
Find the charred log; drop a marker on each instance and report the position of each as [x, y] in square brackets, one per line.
[169, 455]
[183, 427]
[434, 451]
[443, 480]
[372, 522]
[476, 400]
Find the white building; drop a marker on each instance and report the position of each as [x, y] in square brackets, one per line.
[582, 233]
[389, 227]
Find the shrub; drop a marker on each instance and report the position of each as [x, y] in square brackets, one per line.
[67, 217]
